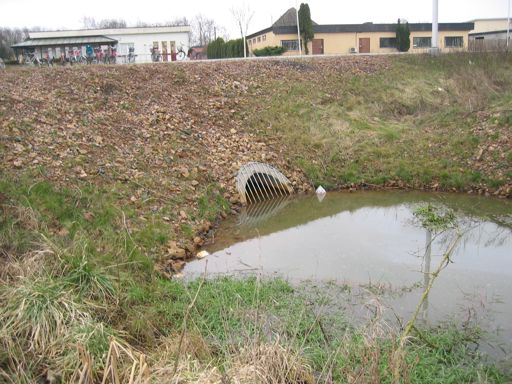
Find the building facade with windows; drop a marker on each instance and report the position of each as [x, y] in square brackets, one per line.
[136, 44]
[358, 38]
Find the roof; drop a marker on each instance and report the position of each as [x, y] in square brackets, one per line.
[488, 33]
[287, 24]
[65, 41]
[289, 18]
[367, 27]
[266, 30]
[370, 27]
[490, 19]
[109, 32]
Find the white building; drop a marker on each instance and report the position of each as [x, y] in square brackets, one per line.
[140, 44]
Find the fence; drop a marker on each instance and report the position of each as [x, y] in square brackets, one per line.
[488, 45]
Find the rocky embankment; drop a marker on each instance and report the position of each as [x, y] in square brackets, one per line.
[163, 132]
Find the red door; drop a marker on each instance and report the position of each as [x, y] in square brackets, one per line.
[318, 46]
[364, 45]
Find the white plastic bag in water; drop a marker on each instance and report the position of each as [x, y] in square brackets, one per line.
[320, 190]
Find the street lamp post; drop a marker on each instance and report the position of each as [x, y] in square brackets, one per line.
[435, 48]
[508, 25]
[298, 29]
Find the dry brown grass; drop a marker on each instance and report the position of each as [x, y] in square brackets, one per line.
[193, 346]
[269, 363]
[13, 268]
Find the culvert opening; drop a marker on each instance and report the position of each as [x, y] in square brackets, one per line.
[258, 182]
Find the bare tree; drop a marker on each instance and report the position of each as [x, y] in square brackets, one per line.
[205, 30]
[91, 23]
[9, 37]
[243, 16]
[112, 23]
[177, 22]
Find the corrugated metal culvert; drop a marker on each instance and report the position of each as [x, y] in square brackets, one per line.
[258, 181]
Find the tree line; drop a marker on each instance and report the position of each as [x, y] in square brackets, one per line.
[8, 37]
[220, 49]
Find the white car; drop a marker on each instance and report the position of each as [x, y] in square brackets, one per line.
[2, 64]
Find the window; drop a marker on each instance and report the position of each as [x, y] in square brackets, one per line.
[290, 45]
[453, 41]
[259, 39]
[388, 42]
[264, 37]
[254, 41]
[479, 38]
[421, 42]
[249, 41]
[124, 48]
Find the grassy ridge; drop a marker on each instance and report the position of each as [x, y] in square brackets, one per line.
[441, 122]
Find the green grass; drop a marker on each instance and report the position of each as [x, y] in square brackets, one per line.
[89, 281]
[230, 312]
[95, 284]
[416, 121]
[211, 203]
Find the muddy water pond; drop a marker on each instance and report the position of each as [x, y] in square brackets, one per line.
[366, 246]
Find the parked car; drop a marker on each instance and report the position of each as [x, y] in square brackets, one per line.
[2, 64]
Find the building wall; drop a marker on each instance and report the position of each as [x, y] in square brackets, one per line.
[441, 39]
[143, 43]
[141, 39]
[268, 39]
[489, 25]
[491, 36]
[342, 43]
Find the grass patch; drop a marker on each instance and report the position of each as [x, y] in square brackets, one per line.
[88, 280]
[416, 121]
[211, 203]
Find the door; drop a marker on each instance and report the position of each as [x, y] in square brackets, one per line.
[364, 45]
[318, 46]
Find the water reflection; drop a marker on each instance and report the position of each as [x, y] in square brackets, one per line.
[255, 214]
[280, 214]
[361, 238]
[426, 273]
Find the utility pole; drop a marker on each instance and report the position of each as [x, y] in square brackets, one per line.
[508, 25]
[435, 49]
[298, 29]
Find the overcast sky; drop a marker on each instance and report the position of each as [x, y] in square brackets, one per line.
[59, 14]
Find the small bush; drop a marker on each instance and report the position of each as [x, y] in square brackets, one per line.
[269, 51]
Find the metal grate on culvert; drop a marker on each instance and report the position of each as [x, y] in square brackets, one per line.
[259, 181]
